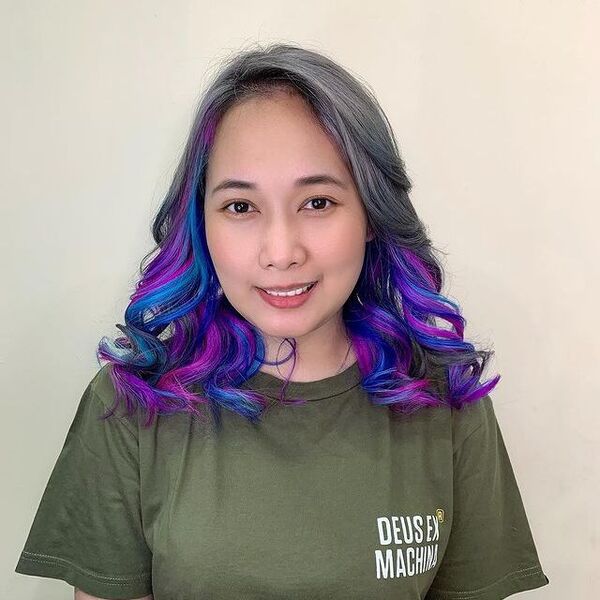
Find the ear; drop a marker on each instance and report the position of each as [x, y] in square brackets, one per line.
[370, 234]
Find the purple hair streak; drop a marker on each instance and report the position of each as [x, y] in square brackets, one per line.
[186, 349]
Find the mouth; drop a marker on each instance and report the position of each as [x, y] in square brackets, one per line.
[287, 293]
[291, 301]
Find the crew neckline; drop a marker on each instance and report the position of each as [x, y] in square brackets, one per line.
[320, 389]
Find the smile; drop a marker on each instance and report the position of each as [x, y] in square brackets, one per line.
[291, 299]
[290, 292]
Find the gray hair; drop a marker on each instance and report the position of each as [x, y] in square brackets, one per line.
[348, 112]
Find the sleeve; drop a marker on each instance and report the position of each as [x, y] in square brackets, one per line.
[491, 552]
[88, 529]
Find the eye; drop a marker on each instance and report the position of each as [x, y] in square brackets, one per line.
[239, 203]
[321, 198]
[234, 213]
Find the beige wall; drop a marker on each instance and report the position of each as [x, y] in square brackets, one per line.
[495, 106]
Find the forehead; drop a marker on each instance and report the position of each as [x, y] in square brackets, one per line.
[272, 137]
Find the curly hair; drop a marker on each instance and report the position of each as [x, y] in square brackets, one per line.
[185, 346]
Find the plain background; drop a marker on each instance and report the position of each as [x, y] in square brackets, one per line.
[496, 109]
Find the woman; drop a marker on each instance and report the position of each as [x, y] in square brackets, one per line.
[367, 461]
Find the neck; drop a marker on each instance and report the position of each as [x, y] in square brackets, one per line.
[317, 356]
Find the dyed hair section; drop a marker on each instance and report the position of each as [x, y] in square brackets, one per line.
[186, 349]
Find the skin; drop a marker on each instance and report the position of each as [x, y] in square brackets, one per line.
[278, 233]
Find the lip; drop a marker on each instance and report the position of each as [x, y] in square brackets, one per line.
[287, 288]
[287, 301]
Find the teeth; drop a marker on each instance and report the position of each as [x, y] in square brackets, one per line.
[290, 293]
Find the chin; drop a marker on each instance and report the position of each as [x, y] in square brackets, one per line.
[285, 332]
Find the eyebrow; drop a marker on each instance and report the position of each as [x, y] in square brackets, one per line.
[239, 184]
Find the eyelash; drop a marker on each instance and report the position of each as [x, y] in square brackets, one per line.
[237, 215]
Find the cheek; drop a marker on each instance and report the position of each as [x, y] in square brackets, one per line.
[229, 261]
[344, 250]
[341, 255]
[226, 256]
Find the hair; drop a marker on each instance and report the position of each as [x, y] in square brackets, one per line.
[181, 333]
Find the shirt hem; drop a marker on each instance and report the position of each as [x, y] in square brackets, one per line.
[111, 588]
[512, 583]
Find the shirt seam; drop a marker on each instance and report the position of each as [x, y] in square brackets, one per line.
[121, 418]
[57, 560]
[473, 594]
[275, 396]
[468, 436]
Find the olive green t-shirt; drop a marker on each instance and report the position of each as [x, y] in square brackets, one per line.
[331, 500]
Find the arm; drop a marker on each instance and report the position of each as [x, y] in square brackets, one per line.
[88, 528]
[79, 595]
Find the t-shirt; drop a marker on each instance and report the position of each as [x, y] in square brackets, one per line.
[333, 499]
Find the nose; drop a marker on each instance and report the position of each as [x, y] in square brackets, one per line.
[281, 246]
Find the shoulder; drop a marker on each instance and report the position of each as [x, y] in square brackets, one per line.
[102, 399]
[101, 385]
[472, 417]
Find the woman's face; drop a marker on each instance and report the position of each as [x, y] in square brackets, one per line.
[271, 231]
